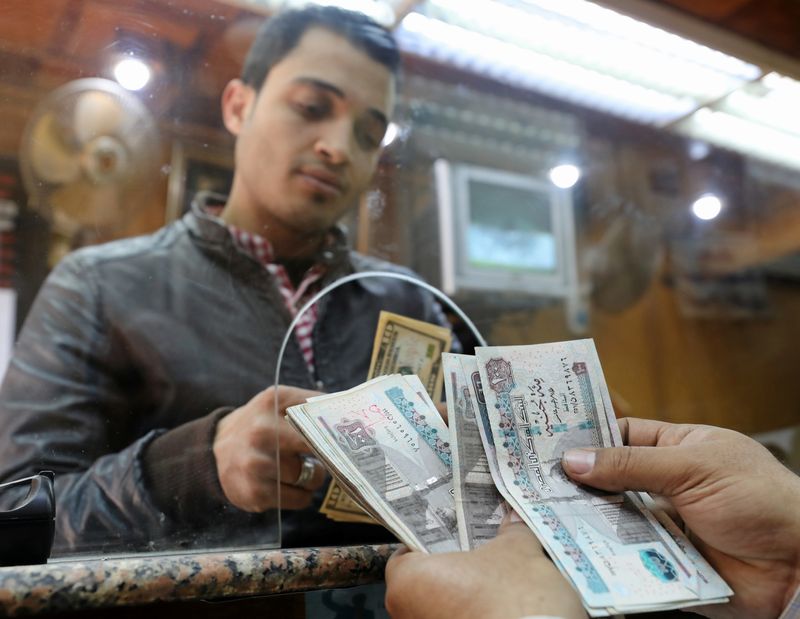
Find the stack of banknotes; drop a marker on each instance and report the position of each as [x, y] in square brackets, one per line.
[402, 345]
[512, 412]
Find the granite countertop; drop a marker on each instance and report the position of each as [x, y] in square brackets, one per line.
[137, 580]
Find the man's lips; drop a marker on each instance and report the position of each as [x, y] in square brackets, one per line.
[321, 181]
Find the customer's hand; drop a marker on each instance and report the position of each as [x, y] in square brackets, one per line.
[741, 505]
[506, 578]
[244, 448]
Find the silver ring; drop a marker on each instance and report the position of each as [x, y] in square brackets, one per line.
[307, 470]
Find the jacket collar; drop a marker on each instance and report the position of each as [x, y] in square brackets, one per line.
[335, 255]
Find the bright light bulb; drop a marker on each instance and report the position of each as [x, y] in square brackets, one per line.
[132, 73]
[707, 207]
[698, 150]
[565, 175]
[392, 131]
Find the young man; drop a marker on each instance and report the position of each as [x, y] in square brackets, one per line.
[138, 376]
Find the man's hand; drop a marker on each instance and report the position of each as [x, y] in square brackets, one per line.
[442, 408]
[508, 577]
[741, 505]
[244, 448]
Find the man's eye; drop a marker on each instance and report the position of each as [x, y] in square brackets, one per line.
[370, 137]
[311, 111]
[372, 142]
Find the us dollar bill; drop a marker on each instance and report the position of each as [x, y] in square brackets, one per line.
[392, 448]
[540, 401]
[340, 507]
[479, 506]
[405, 346]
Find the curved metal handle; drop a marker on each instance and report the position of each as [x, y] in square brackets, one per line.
[371, 275]
[341, 282]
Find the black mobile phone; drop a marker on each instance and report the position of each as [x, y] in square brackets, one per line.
[27, 528]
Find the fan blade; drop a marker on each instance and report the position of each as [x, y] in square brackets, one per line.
[97, 113]
[106, 160]
[88, 204]
[51, 159]
[73, 200]
[84, 204]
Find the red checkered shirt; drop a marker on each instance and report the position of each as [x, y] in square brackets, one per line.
[261, 249]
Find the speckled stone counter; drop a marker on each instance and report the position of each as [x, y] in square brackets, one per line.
[105, 583]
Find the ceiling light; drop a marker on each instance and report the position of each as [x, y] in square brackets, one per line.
[565, 175]
[526, 68]
[624, 48]
[579, 51]
[772, 101]
[707, 207]
[596, 57]
[624, 27]
[744, 136]
[132, 73]
[698, 150]
[392, 132]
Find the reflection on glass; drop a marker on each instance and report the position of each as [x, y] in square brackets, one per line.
[693, 318]
[509, 228]
[132, 73]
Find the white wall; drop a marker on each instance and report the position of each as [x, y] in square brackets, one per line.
[8, 311]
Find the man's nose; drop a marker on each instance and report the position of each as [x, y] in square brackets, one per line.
[335, 143]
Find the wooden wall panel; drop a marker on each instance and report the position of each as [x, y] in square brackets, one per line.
[26, 25]
[106, 23]
[736, 374]
[775, 24]
[709, 9]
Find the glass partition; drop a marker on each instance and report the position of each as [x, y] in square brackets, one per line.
[559, 169]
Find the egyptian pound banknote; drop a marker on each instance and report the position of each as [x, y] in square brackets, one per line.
[405, 346]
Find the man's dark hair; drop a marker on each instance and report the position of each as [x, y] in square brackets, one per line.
[280, 34]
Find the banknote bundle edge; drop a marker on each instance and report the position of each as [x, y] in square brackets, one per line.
[395, 350]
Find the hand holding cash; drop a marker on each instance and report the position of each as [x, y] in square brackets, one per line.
[244, 453]
[438, 491]
[496, 581]
[741, 504]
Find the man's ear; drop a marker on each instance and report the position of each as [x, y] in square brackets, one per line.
[237, 102]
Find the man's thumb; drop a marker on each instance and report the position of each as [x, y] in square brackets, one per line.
[650, 469]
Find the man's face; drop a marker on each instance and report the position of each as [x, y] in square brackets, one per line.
[309, 141]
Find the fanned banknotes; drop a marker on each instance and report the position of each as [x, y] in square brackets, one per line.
[512, 411]
[479, 506]
[402, 345]
[540, 401]
[387, 444]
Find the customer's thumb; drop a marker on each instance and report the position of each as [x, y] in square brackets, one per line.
[650, 469]
[514, 533]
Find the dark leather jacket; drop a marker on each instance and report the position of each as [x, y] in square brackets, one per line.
[134, 350]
